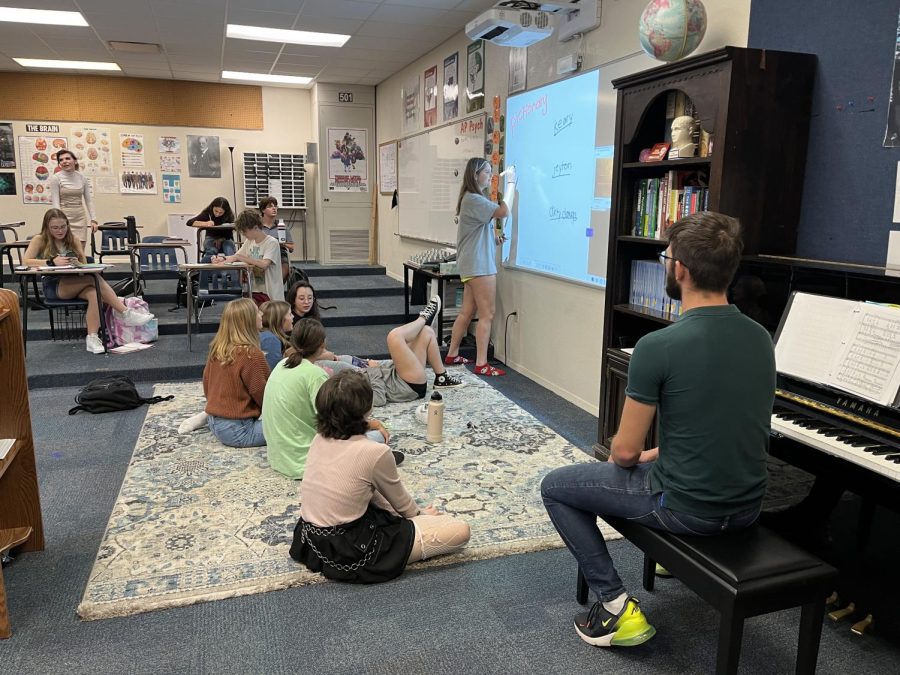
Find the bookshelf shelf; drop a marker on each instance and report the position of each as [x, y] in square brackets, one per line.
[687, 163]
[754, 172]
[664, 318]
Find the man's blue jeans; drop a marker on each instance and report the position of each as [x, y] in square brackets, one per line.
[575, 495]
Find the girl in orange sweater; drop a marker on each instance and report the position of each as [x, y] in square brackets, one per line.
[234, 379]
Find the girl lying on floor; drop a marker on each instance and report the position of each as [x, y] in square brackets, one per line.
[357, 522]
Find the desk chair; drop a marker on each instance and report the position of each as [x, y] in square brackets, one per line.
[113, 237]
[73, 310]
[157, 263]
[7, 234]
[213, 285]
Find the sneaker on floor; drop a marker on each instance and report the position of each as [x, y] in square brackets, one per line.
[398, 457]
[131, 317]
[93, 345]
[601, 628]
[456, 360]
[489, 370]
[662, 572]
[432, 309]
[446, 380]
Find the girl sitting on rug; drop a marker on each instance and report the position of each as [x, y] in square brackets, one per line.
[289, 412]
[276, 327]
[304, 304]
[357, 521]
[234, 379]
[403, 378]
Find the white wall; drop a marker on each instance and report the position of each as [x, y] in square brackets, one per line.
[556, 338]
[287, 122]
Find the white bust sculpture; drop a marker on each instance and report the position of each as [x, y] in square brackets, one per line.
[682, 139]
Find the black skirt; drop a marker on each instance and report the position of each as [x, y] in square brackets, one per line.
[371, 549]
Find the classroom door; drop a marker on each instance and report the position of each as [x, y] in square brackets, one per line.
[347, 181]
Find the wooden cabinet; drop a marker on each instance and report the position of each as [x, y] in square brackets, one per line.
[755, 106]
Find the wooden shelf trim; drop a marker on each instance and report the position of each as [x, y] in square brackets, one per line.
[686, 162]
[646, 313]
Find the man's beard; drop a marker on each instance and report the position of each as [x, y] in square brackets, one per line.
[673, 288]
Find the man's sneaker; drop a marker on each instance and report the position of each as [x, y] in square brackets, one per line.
[601, 628]
[489, 370]
[131, 317]
[662, 572]
[446, 380]
[456, 360]
[432, 309]
[93, 345]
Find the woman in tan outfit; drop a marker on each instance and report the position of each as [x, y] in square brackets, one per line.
[71, 192]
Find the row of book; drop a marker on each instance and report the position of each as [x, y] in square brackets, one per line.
[648, 288]
[659, 202]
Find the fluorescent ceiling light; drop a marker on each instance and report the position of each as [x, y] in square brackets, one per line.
[294, 37]
[260, 77]
[72, 65]
[42, 16]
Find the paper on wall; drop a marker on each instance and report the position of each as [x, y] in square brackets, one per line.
[132, 148]
[93, 149]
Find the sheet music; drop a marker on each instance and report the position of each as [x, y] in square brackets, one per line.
[849, 345]
[869, 363]
[812, 335]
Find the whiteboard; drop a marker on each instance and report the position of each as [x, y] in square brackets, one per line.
[431, 167]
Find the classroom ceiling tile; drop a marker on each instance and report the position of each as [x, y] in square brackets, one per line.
[193, 46]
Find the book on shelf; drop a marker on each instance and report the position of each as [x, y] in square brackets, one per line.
[648, 288]
[659, 202]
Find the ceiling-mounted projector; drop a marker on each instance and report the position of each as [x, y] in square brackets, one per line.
[510, 27]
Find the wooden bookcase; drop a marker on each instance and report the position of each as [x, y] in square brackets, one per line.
[756, 106]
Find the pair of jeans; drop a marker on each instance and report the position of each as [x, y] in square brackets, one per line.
[575, 495]
[237, 433]
[213, 246]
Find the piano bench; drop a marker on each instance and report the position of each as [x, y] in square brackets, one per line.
[742, 574]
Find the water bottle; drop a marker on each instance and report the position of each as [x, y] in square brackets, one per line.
[282, 230]
[435, 430]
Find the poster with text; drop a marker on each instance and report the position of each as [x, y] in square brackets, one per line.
[475, 76]
[410, 94]
[137, 183]
[518, 69]
[203, 157]
[7, 184]
[7, 146]
[170, 163]
[106, 185]
[169, 144]
[93, 150]
[348, 165]
[171, 188]
[431, 96]
[451, 87]
[132, 149]
[387, 168]
[37, 161]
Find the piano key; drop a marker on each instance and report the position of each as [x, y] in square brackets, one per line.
[880, 450]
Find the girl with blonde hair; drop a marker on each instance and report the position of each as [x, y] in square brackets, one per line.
[234, 379]
[277, 323]
[57, 246]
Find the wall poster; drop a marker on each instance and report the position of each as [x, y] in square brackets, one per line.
[93, 150]
[451, 87]
[431, 96]
[387, 168]
[518, 69]
[132, 148]
[7, 146]
[203, 157]
[37, 160]
[7, 184]
[410, 94]
[348, 167]
[137, 183]
[171, 188]
[475, 76]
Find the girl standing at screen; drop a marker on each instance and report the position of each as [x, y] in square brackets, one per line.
[475, 241]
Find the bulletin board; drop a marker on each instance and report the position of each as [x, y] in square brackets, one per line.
[430, 173]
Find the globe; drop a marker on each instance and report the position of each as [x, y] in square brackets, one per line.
[672, 29]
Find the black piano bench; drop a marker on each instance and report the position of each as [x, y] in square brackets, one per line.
[742, 574]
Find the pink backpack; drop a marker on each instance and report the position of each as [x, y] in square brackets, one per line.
[117, 333]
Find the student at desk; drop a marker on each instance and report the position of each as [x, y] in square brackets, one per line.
[710, 377]
[56, 246]
[261, 253]
[268, 206]
[217, 213]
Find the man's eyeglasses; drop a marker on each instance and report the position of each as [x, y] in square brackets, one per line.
[663, 257]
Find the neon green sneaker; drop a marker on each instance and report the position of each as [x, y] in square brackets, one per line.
[663, 572]
[601, 628]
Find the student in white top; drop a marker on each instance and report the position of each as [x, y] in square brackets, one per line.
[261, 252]
[71, 192]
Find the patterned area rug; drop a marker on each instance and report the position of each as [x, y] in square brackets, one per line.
[198, 521]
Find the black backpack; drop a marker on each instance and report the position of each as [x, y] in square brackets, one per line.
[109, 394]
[296, 274]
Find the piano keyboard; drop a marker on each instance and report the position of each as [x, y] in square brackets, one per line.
[840, 442]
